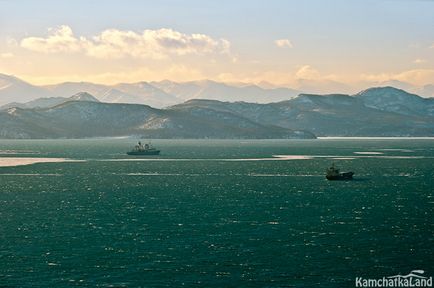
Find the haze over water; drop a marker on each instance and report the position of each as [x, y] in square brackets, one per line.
[214, 213]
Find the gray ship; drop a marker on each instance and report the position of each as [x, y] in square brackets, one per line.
[141, 150]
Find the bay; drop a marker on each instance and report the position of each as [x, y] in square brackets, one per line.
[214, 213]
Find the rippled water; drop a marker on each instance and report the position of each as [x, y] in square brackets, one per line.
[213, 213]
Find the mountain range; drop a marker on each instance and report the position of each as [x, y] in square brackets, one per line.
[166, 93]
[79, 119]
[156, 94]
[382, 111]
[50, 101]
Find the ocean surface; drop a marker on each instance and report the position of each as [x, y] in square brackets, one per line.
[214, 213]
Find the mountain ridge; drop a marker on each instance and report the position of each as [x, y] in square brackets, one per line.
[157, 93]
[336, 114]
[322, 115]
[377, 111]
[51, 101]
[67, 120]
[163, 93]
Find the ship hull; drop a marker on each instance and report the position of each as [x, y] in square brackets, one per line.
[143, 153]
[341, 176]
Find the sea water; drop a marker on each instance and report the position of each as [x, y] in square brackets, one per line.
[214, 213]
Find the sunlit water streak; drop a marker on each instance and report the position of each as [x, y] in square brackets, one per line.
[20, 161]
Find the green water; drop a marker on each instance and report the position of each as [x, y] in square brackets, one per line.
[215, 213]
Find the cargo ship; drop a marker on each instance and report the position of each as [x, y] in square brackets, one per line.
[334, 174]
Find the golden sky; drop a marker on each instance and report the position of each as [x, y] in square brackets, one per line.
[287, 43]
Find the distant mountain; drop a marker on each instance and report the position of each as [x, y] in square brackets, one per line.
[13, 89]
[146, 93]
[132, 93]
[207, 89]
[166, 93]
[314, 86]
[67, 89]
[82, 96]
[116, 96]
[50, 102]
[397, 84]
[103, 119]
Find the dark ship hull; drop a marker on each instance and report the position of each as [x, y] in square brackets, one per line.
[341, 176]
[144, 152]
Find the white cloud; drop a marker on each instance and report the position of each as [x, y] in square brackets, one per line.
[307, 72]
[61, 39]
[415, 76]
[419, 61]
[282, 43]
[113, 43]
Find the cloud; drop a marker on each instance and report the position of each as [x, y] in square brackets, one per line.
[303, 76]
[179, 72]
[419, 61]
[113, 43]
[415, 76]
[307, 72]
[283, 43]
[61, 39]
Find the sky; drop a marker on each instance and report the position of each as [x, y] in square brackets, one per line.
[332, 45]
